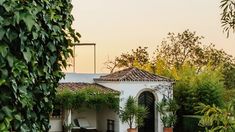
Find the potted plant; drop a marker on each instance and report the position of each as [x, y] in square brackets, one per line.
[68, 127]
[133, 113]
[167, 109]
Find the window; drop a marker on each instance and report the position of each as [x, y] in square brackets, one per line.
[110, 125]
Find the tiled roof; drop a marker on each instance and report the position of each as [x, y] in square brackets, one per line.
[82, 86]
[132, 74]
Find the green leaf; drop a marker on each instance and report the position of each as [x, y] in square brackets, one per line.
[27, 55]
[2, 32]
[35, 35]
[2, 127]
[2, 81]
[2, 1]
[3, 50]
[10, 60]
[11, 35]
[28, 20]
[7, 111]
[4, 73]
[17, 17]
[51, 47]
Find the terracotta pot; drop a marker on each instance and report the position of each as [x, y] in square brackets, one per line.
[167, 129]
[132, 130]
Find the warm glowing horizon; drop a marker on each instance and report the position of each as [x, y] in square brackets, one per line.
[119, 26]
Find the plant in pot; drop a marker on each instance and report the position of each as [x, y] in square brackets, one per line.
[167, 109]
[68, 127]
[133, 113]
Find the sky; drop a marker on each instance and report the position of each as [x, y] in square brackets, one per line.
[117, 26]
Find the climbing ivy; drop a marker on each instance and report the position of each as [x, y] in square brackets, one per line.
[35, 36]
[88, 97]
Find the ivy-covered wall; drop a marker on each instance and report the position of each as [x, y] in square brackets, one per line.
[35, 36]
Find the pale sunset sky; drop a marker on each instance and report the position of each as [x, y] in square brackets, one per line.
[117, 26]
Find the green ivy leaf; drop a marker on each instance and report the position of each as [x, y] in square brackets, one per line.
[30, 61]
[2, 32]
[4, 73]
[3, 127]
[2, 1]
[10, 60]
[28, 20]
[11, 35]
[27, 55]
[3, 50]
[2, 81]
[35, 35]
[7, 111]
[51, 47]
[17, 17]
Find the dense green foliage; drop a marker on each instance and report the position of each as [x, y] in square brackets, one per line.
[88, 97]
[35, 36]
[192, 88]
[133, 113]
[229, 95]
[217, 119]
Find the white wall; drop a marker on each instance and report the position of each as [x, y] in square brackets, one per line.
[89, 114]
[56, 125]
[103, 115]
[134, 89]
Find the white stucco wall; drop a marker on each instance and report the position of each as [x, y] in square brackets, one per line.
[56, 125]
[88, 114]
[103, 115]
[134, 88]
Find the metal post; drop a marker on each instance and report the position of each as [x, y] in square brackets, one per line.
[74, 58]
[95, 59]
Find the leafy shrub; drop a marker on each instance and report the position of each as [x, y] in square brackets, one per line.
[192, 88]
[217, 119]
[35, 36]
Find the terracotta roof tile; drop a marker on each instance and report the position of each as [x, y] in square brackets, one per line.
[81, 86]
[132, 74]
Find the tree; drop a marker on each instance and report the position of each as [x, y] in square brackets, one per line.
[35, 37]
[137, 58]
[228, 15]
[192, 87]
[175, 51]
[187, 47]
[180, 48]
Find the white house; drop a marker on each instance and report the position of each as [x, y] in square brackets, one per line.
[146, 87]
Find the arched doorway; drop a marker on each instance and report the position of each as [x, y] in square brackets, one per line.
[147, 99]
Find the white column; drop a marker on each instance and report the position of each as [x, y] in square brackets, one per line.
[69, 119]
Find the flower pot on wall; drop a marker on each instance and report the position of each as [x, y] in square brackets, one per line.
[167, 129]
[132, 130]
